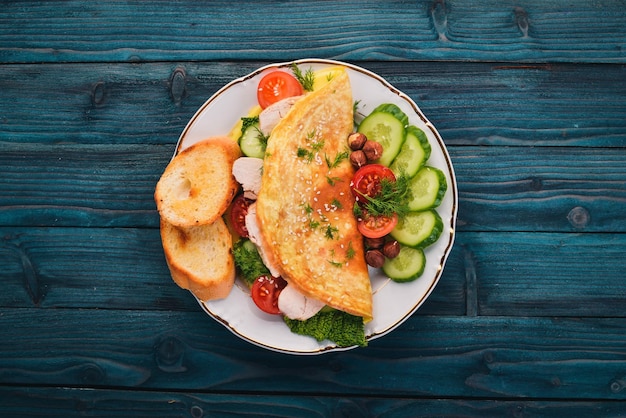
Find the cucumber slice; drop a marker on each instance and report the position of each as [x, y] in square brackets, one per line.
[427, 188]
[252, 142]
[386, 125]
[395, 111]
[413, 153]
[407, 266]
[418, 229]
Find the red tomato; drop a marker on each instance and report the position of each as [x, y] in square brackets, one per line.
[366, 181]
[275, 86]
[376, 226]
[238, 212]
[265, 291]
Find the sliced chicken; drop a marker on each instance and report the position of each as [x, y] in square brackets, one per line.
[271, 115]
[255, 236]
[248, 172]
[295, 305]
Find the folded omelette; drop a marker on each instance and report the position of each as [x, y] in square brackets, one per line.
[304, 207]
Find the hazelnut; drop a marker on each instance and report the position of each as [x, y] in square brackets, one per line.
[356, 140]
[375, 258]
[358, 159]
[391, 249]
[373, 150]
[374, 242]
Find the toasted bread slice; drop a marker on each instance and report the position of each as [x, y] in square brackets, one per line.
[200, 258]
[197, 186]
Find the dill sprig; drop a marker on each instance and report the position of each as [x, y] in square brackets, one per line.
[350, 252]
[246, 122]
[253, 123]
[344, 155]
[305, 154]
[306, 79]
[261, 136]
[331, 231]
[393, 198]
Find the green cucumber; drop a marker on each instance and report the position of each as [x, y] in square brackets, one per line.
[413, 153]
[407, 266]
[252, 141]
[418, 229]
[427, 188]
[387, 126]
[395, 111]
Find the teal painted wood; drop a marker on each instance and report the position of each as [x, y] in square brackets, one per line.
[427, 357]
[86, 185]
[522, 31]
[541, 189]
[124, 268]
[500, 189]
[514, 274]
[528, 318]
[469, 103]
[63, 402]
[547, 274]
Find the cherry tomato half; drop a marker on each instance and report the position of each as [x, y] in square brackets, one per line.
[238, 212]
[366, 181]
[265, 291]
[275, 86]
[376, 226]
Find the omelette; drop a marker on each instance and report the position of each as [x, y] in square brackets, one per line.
[305, 204]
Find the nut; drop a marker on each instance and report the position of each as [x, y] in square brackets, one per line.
[375, 258]
[391, 249]
[373, 150]
[374, 243]
[358, 159]
[356, 140]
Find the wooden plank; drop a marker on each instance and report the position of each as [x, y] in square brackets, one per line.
[531, 189]
[527, 30]
[549, 274]
[122, 268]
[64, 402]
[541, 189]
[86, 185]
[469, 103]
[434, 357]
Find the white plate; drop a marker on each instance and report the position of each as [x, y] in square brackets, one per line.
[393, 302]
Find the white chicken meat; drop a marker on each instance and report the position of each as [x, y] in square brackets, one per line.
[254, 233]
[271, 115]
[295, 305]
[248, 172]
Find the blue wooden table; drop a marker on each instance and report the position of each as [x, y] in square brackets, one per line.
[529, 317]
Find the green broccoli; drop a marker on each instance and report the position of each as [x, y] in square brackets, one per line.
[343, 329]
[248, 261]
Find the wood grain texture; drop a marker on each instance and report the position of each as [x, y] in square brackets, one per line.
[63, 402]
[548, 274]
[523, 31]
[527, 320]
[122, 268]
[469, 103]
[497, 357]
[541, 189]
[537, 189]
[515, 274]
[88, 185]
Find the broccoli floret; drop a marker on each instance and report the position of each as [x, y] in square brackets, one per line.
[343, 329]
[248, 261]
